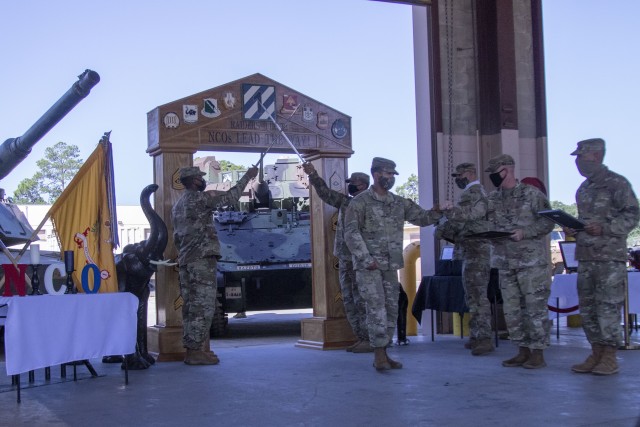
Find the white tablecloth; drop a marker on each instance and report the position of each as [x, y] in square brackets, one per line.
[564, 288]
[49, 330]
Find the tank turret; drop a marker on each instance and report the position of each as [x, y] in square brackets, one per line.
[14, 227]
[265, 241]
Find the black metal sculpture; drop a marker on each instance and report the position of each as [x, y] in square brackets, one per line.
[134, 267]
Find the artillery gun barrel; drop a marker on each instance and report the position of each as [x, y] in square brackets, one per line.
[15, 150]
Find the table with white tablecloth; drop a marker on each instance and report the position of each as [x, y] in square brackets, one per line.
[564, 294]
[49, 330]
[563, 299]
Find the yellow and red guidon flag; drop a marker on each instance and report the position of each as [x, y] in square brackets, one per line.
[84, 217]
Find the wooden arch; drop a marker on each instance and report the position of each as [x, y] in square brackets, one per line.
[234, 118]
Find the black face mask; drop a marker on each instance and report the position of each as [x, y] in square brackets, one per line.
[387, 183]
[200, 185]
[587, 168]
[352, 189]
[496, 179]
[462, 183]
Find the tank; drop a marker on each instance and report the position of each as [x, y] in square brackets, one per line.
[265, 243]
[14, 227]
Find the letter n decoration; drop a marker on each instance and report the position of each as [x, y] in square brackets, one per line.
[13, 276]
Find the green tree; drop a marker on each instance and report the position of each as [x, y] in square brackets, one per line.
[409, 189]
[58, 167]
[28, 192]
[226, 166]
[571, 209]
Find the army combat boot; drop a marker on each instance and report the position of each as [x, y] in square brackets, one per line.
[535, 361]
[483, 346]
[608, 364]
[518, 360]
[354, 345]
[210, 354]
[363, 347]
[380, 361]
[591, 362]
[471, 344]
[199, 357]
[394, 364]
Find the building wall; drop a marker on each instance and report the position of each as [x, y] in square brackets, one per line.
[133, 226]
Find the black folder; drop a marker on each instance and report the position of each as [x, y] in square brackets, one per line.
[562, 218]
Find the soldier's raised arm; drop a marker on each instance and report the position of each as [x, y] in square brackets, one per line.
[232, 195]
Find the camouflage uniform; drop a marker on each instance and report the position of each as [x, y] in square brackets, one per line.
[523, 266]
[354, 305]
[606, 198]
[374, 228]
[196, 239]
[469, 217]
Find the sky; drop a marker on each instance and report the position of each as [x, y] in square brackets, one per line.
[354, 55]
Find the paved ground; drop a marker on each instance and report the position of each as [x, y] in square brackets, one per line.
[264, 380]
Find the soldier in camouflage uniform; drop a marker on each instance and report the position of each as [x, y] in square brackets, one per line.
[195, 237]
[609, 208]
[374, 225]
[470, 217]
[354, 305]
[522, 260]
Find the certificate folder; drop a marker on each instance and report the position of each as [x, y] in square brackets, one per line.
[562, 218]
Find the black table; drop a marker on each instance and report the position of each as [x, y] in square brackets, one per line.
[446, 293]
[439, 293]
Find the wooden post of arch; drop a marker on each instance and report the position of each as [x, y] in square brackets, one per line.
[165, 337]
[328, 328]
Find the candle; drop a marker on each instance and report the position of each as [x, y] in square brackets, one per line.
[68, 260]
[35, 254]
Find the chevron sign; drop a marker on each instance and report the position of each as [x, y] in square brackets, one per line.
[252, 98]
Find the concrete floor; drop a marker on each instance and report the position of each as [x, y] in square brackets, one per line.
[264, 380]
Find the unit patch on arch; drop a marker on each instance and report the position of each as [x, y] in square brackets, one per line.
[258, 101]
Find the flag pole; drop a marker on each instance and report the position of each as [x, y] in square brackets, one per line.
[34, 234]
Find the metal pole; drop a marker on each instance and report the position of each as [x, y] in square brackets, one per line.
[282, 132]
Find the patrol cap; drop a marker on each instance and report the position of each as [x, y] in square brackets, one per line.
[358, 177]
[384, 165]
[190, 171]
[589, 145]
[500, 160]
[464, 167]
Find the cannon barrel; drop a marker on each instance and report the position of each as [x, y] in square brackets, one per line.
[14, 150]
